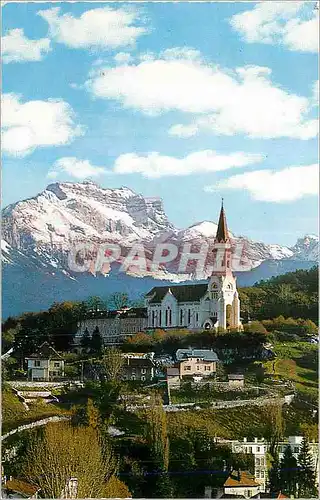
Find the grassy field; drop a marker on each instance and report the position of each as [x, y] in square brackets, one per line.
[298, 362]
[15, 414]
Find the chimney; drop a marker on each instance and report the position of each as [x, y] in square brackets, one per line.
[244, 440]
[255, 440]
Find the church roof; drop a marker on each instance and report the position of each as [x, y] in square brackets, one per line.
[183, 293]
[222, 235]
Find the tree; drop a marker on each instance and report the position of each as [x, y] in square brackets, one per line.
[96, 341]
[306, 472]
[112, 362]
[95, 303]
[157, 435]
[116, 489]
[118, 300]
[288, 472]
[274, 475]
[61, 451]
[93, 415]
[85, 340]
[275, 426]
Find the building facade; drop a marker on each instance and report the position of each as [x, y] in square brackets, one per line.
[210, 305]
[45, 364]
[259, 448]
[196, 362]
[139, 368]
[114, 326]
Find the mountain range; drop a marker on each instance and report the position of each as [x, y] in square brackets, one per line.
[40, 232]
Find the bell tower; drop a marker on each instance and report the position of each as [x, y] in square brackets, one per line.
[222, 288]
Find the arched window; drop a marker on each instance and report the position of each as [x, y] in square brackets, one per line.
[170, 317]
[166, 318]
[215, 295]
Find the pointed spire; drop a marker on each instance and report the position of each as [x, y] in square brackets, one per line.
[222, 235]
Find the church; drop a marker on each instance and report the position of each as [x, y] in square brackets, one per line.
[210, 305]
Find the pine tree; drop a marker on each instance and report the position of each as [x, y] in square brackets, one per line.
[306, 473]
[288, 472]
[274, 476]
[96, 341]
[85, 340]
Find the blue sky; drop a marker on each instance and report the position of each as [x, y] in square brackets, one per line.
[186, 101]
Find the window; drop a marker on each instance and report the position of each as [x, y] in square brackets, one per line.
[143, 378]
[258, 449]
[296, 449]
[257, 461]
[197, 317]
[181, 317]
[250, 449]
[187, 367]
[37, 362]
[198, 367]
[257, 474]
[207, 368]
[166, 321]
[215, 295]
[262, 473]
[189, 316]
[153, 317]
[57, 364]
[249, 493]
[160, 317]
[170, 317]
[133, 377]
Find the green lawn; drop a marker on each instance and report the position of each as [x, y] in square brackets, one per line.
[15, 414]
[298, 362]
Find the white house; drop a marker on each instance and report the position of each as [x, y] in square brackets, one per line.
[241, 484]
[209, 305]
[45, 364]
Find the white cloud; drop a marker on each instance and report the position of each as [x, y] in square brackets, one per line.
[241, 101]
[100, 28]
[16, 47]
[33, 124]
[80, 169]
[184, 131]
[292, 24]
[123, 58]
[154, 165]
[315, 93]
[285, 185]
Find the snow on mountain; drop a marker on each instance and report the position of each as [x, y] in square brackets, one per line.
[307, 248]
[41, 230]
[67, 212]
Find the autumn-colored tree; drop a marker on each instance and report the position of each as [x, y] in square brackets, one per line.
[112, 361]
[61, 451]
[157, 435]
[116, 489]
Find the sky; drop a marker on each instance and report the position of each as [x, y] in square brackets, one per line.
[189, 102]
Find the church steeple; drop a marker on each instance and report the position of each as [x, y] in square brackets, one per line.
[222, 235]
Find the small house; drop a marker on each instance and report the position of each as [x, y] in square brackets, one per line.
[45, 364]
[173, 376]
[196, 362]
[236, 380]
[139, 368]
[241, 483]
